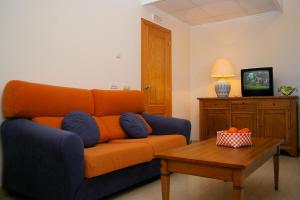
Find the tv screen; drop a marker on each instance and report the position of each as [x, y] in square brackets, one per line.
[257, 81]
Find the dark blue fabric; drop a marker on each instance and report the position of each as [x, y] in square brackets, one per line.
[107, 184]
[168, 125]
[133, 125]
[41, 162]
[82, 124]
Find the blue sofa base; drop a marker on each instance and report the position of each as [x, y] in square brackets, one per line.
[111, 183]
[107, 184]
[46, 163]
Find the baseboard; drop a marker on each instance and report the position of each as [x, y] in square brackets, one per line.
[194, 141]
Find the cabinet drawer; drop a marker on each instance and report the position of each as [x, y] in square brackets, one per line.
[243, 108]
[215, 104]
[278, 103]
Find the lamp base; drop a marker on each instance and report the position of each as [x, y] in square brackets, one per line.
[222, 88]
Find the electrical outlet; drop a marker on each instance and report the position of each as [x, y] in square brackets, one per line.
[118, 56]
[114, 86]
[126, 86]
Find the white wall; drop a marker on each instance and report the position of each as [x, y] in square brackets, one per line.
[271, 39]
[75, 43]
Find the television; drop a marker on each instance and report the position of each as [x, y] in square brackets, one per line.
[257, 81]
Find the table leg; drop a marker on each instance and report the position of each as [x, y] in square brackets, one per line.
[238, 193]
[276, 168]
[165, 180]
[238, 190]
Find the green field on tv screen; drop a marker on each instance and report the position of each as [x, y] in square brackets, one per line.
[256, 86]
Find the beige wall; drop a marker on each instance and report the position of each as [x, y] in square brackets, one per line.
[271, 39]
[75, 43]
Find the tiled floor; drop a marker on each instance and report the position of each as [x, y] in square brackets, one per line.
[258, 186]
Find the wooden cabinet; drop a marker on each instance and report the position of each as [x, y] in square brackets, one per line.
[245, 120]
[275, 123]
[268, 117]
[215, 120]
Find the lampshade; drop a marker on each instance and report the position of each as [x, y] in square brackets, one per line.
[222, 68]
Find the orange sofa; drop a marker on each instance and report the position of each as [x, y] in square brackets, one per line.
[42, 161]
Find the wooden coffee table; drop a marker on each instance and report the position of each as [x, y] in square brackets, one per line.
[208, 160]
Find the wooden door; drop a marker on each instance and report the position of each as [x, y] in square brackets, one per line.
[275, 123]
[245, 120]
[213, 120]
[156, 68]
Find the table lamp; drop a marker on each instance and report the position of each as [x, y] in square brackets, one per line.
[222, 69]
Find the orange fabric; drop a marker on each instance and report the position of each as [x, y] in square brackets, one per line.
[104, 158]
[25, 99]
[115, 102]
[110, 128]
[148, 127]
[159, 143]
[54, 122]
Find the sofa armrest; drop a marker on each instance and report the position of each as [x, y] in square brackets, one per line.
[41, 162]
[162, 125]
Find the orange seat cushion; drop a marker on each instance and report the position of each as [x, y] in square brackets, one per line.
[159, 143]
[110, 128]
[104, 158]
[115, 102]
[54, 122]
[25, 99]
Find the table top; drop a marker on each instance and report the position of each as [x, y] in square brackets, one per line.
[207, 152]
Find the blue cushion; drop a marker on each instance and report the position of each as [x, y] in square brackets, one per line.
[82, 124]
[133, 125]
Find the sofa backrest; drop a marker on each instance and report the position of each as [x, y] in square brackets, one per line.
[47, 105]
[28, 100]
[115, 102]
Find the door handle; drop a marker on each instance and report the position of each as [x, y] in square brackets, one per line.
[147, 87]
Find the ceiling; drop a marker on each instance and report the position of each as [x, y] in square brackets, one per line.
[196, 12]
